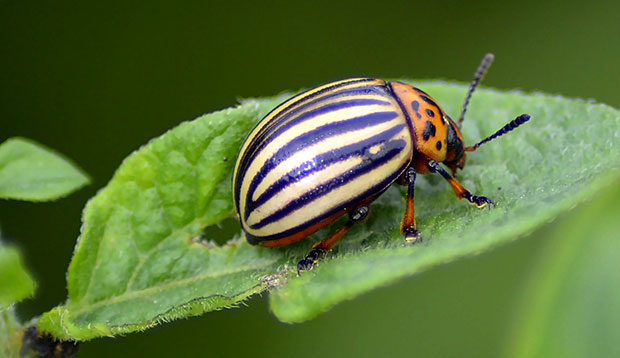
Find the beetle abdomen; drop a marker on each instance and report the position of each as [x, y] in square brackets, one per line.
[316, 155]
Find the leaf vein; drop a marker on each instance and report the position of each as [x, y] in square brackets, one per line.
[170, 285]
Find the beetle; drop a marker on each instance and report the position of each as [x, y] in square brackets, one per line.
[332, 150]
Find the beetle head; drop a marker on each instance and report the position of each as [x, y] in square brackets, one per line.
[456, 151]
[455, 154]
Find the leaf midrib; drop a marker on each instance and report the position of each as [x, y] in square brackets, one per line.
[168, 285]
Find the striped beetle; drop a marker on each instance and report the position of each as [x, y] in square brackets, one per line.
[334, 149]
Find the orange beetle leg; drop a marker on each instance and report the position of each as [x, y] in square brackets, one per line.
[320, 249]
[459, 190]
[408, 225]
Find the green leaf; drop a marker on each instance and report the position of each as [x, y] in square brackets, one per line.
[571, 304]
[32, 172]
[141, 259]
[15, 282]
[11, 332]
[15, 285]
[139, 262]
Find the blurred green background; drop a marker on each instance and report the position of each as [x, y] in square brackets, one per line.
[96, 80]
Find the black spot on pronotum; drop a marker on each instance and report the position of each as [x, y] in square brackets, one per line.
[416, 108]
[428, 100]
[432, 103]
[429, 130]
[419, 90]
[430, 113]
[224, 159]
[438, 145]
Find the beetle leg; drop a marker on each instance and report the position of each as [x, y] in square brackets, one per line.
[408, 225]
[320, 249]
[459, 190]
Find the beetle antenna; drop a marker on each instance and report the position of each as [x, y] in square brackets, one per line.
[505, 129]
[480, 72]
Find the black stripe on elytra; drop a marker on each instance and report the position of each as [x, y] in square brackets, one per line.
[352, 202]
[312, 137]
[391, 150]
[325, 93]
[304, 95]
[301, 113]
[322, 161]
[260, 139]
[254, 148]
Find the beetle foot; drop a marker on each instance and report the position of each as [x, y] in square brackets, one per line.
[412, 236]
[312, 258]
[480, 201]
[305, 265]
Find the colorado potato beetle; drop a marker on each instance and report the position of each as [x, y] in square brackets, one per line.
[332, 150]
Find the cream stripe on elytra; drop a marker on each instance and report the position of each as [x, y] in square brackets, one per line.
[338, 115]
[310, 95]
[294, 132]
[312, 151]
[300, 100]
[301, 187]
[337, 196]
[264, 154]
